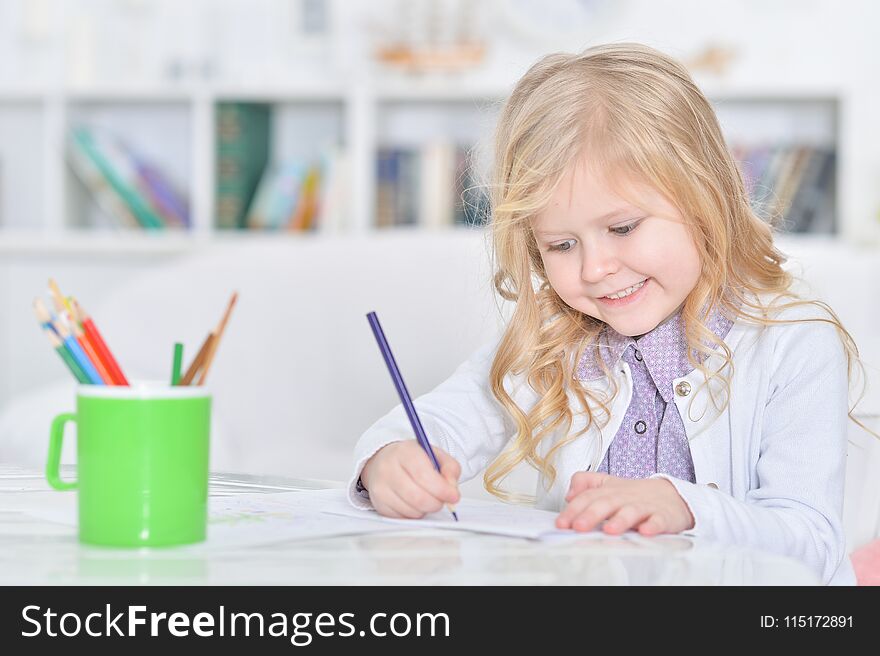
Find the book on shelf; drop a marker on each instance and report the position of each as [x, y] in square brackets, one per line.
[302, 195]
[429, 186]
[812, 208]
[400, 186]
[111, 204]
[406, 198]
[163, 194]
[243, 133]
[438, 176]
[386, 187]
[274, 199]
[129, 189]
[305, 211]
[788, 185]
[334, 191]
[794, 181]
[472, 199]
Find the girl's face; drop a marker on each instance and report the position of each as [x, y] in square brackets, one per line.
[596, 244]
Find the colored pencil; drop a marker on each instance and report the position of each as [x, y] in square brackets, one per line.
[89, 345]
[196, 364]
[62, 303]
[93, 350]
[74, 368]
[65, 306]
[78, 354]
[89, 349]
[175, 367]
[218, 333]
[403, 393]
[70, 343]
[91, 331]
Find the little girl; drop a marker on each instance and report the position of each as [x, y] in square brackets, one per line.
[658, 371]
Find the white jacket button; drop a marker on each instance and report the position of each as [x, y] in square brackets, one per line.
[712, 485]
[683, 388]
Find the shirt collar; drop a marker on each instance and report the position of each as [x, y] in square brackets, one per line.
[663, 350]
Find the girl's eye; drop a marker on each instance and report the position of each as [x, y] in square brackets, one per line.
[623, 231]
[568, 244]
[562, 247]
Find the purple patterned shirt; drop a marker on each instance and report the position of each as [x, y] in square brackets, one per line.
[651, 438]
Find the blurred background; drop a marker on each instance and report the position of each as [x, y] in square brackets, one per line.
[324, 158]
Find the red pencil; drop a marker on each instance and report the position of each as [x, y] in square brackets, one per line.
[89, 350]
[100, 346]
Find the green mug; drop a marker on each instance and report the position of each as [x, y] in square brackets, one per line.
[142, 463]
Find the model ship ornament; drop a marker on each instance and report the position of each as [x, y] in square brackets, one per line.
[432, 36]
[715, 59]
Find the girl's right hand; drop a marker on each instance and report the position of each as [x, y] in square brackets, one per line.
[402, 481]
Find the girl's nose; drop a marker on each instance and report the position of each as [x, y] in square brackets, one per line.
[597, 264]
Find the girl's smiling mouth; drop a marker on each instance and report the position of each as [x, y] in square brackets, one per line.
[630, 295]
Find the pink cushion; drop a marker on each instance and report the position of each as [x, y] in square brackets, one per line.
[866, 562]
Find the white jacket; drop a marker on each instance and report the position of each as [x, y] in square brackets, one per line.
[769, 468]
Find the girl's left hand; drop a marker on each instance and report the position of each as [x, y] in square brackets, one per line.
[650, 505]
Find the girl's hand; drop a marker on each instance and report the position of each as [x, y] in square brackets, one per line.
[402, 481]
[651, 506]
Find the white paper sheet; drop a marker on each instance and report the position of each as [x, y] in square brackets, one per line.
[258, 519]
[253, 519]
[234, 521]
[496, 518]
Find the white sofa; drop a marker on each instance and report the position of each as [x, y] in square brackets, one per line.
[298, 376]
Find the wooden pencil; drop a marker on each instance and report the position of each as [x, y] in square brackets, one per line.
[198, 360]
[61, 302]
[218, 332]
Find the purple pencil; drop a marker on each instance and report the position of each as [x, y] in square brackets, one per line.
[403, 393]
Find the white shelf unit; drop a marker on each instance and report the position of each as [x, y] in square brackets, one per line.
[41, 210]
[24, 162]
[807, 119]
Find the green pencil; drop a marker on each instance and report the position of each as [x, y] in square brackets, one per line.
[178, 359]
[72, 364]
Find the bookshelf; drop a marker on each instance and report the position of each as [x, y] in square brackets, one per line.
[44, 208]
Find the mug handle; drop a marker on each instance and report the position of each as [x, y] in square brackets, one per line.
[53, 464]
